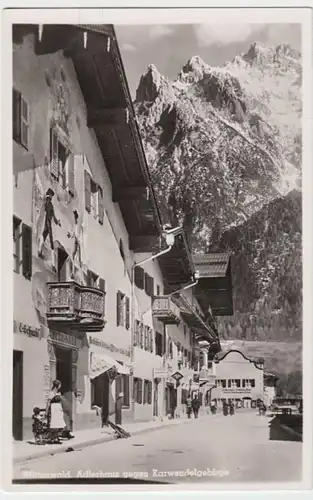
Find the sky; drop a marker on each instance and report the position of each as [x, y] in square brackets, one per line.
[170, 46]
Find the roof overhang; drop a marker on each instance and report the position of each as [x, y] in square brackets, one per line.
[101, 76]
[177, 265]
[201, 329]
[214, 289]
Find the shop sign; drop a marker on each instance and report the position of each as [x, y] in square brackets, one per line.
[64, 339]
[28, 330]
[160, 373]
[236, 390]
[110, 347]
[177, 376]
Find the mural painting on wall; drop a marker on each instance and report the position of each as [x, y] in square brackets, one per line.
[59, 225]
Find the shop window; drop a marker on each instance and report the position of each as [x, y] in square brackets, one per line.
[20, 119]
[252, 382]
[17, 238]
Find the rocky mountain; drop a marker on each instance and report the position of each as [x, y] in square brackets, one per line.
[224, 149]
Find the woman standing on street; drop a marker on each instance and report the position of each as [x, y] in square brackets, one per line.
[54, 410]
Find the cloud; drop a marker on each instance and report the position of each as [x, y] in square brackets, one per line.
[160, 30]
[127, 47]
[224, 34]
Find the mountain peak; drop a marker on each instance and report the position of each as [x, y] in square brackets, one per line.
[258, 52]
[149, 84]
[193, 70]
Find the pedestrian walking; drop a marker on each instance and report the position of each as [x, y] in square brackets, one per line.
[189, 406]
[231, 408]
[225, 409]
[195, 406]
[54, 412]
[213, 407]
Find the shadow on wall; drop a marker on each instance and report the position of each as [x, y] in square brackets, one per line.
[285, 428]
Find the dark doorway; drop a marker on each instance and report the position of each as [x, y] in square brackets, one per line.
[64, 374]
[100, 395]
[118, 400]
[62, 268]
[17, 400]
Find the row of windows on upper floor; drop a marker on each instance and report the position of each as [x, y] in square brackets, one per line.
[232, 383]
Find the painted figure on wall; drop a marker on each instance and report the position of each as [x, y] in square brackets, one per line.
[49, 219]
[75, 235]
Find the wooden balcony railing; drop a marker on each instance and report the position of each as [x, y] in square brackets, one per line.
[79, 307]
[164, 309]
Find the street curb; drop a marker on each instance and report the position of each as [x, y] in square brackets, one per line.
[85, 444]
[291, 431]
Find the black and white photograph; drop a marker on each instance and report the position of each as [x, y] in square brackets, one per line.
[158, 218]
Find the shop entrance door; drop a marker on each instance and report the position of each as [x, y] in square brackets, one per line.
[64, 374]
[17, 400]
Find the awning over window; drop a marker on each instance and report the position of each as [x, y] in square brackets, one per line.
[101, 363]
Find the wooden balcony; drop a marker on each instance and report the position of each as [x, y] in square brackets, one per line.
[164, 309]
[75, 307]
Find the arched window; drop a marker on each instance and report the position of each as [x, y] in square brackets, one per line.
[122, 250]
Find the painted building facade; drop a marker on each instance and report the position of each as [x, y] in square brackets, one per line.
[238, 379]
[85, 216]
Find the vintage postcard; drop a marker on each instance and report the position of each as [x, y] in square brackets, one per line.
[161, 180]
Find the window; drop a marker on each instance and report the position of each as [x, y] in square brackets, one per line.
[136, 333]
[22, 247]
[62, 265]
[139, 277]
[237, 382]
[158, 344]
[146, 345]
[20, 119]
[16, 244]
[122, 310]
[94, 203]
[138, 390]
[92, 279]
[252, 382]
[61, 162]
[149, 392]
[243, 383]
[158, 290]
[171, 349]
[223, 383]
[185, 330]
[93, 198]
[141, 335]
[151, 339]
[185, 357]
[149, 285]
[145, 391]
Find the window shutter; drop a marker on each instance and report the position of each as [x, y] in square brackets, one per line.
[27, 251]
[141, 335]
[87, 191]
[24, 123]
[151, 287]
[139, 277]
[71, 174]
[146, 282]
[136, 333]
[127, 314]
[140, 391]
[16, 115]
[118, 308]
[149, 392]
[54, 164]
[151, 340]
[102, 284]
[100, 205]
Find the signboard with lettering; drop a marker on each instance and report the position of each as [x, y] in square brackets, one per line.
[28, 330]
[110, 347]
[64, 339]
[160, 373]
[236, 390]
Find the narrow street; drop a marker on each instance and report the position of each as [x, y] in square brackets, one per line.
[234, 449]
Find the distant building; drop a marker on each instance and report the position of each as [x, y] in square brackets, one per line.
[270, 382]
[238, 379]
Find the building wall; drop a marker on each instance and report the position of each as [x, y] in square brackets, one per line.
[61, 102]
[232, 367]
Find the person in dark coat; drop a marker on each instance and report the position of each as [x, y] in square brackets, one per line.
[225, 409]
[231, 408]
[195, 406]
[189, 406]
